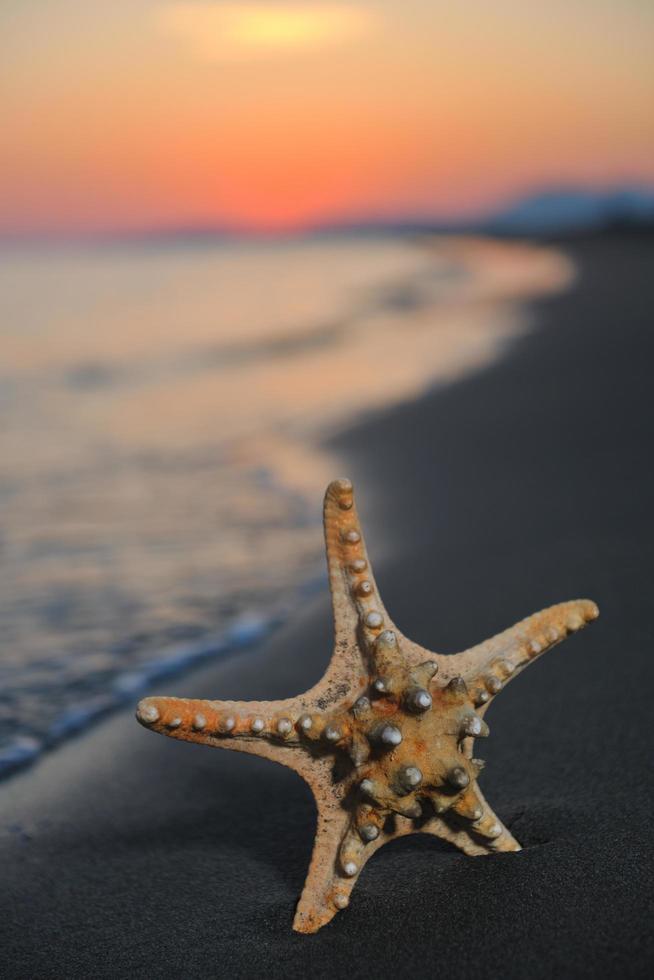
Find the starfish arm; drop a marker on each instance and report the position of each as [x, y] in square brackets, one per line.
[486, 828]
[456, 836]
[272, 729]
[359, 614]
[472, 826]
[340, 853]
[326, 890]
[360, 619]
[487, 667]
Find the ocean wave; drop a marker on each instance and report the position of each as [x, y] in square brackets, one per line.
[21, 751]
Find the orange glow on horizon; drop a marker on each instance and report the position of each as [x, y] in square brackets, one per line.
[281, 115]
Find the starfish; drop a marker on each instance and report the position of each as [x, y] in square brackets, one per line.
[385, 738]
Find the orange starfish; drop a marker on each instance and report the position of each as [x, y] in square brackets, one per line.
[385, 739]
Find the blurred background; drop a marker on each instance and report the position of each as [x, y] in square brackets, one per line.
[228, 229]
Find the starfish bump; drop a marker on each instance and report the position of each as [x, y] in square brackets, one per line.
[385, 739]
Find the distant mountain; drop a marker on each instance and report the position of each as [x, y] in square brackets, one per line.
[553, 212]
[565, 211]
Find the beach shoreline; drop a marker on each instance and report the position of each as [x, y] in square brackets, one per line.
[113, 583]
[521, 485]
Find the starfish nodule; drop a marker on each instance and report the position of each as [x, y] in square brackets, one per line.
[385, 738]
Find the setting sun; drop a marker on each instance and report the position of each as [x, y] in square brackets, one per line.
[243, 30]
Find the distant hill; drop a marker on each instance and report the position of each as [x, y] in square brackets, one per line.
[565, 211]
[553, 212]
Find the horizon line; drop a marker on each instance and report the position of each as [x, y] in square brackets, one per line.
[482, 221]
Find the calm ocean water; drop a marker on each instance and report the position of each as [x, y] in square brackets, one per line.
[162, 411]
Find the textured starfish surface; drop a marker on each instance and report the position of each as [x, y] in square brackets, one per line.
[385, 739]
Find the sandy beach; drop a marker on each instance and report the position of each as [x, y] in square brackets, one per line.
[528, 483]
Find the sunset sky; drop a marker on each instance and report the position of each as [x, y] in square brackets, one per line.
[147, 114]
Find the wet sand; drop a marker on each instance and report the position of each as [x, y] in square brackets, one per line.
[129, 855]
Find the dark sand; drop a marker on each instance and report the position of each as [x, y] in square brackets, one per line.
[125, 854]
